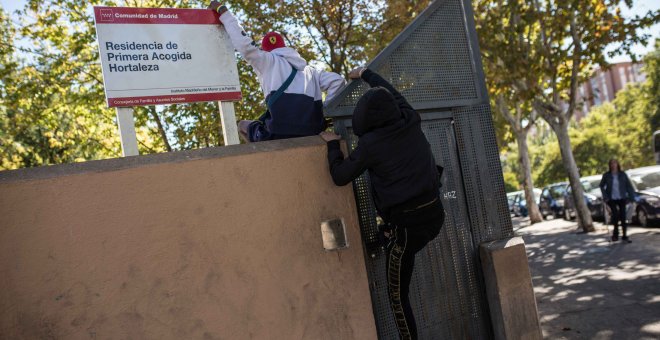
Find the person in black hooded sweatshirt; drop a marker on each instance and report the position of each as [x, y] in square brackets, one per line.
[404, 178]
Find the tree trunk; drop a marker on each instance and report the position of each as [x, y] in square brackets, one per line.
[528, 183]
[582, 211]
[161, 129]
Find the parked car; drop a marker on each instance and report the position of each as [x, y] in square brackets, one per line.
[552, 200]
[592, 196]
[646, 182]
[520, 204]
[511, 197]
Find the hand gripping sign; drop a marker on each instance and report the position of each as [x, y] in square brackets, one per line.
[160, 56]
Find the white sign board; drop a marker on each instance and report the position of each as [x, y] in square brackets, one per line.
[157, 56]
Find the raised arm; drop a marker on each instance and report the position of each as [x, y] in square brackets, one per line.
[374, 79]
[260, 60]
[330, 83]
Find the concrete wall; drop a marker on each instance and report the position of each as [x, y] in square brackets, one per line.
[509, 288]
[221, 243]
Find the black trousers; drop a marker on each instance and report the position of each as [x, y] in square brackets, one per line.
[618, 208]
[412, 230]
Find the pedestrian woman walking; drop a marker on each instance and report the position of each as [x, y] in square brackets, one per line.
[617, 193]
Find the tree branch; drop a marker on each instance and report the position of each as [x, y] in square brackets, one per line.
[161, 130]
[308, 27]
[503, 108]
[575, 68]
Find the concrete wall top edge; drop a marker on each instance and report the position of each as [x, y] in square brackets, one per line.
[503, 243]
[114, 164]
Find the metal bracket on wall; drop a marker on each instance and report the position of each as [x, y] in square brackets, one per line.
[333, 233]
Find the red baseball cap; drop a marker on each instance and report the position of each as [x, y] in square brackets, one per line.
[271, 41]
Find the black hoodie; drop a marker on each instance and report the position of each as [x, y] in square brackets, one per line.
[392, 147]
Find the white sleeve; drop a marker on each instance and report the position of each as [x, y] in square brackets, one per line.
[260, 60]
[330, 82]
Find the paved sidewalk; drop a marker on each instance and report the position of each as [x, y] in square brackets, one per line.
[590, 288]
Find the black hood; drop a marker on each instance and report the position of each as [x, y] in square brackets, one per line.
[377, 108]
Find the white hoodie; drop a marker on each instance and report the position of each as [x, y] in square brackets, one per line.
[299, 110]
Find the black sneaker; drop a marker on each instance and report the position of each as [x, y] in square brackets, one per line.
[626, 239]
[615, 238]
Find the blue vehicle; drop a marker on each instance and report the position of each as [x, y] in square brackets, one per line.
[552, 200]
[519, 207]
[511, 199]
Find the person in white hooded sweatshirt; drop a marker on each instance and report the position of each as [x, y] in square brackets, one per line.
[298, 111]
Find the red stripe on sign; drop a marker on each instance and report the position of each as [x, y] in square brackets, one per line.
[173, 99]
[134, 15]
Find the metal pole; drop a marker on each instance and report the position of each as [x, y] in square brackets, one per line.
[228, 120]
[126, 126]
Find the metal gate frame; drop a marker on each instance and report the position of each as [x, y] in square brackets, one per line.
[441, 76]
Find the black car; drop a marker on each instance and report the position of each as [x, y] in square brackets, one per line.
[552, 200]
[592, 196]
[646, 182]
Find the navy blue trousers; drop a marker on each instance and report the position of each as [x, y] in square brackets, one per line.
[257, 132]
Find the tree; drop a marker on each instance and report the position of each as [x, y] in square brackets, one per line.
[522, 120]
[630, 119]
[55, 112]
[337, 34]
[8, 65]
[565, 38]
[47, 112]
[619, 129]
[652, 70]
[507, 103]
[573, 36]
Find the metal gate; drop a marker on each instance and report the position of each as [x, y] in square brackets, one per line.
[435, 64]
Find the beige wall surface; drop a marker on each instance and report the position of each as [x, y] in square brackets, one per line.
[226, 246]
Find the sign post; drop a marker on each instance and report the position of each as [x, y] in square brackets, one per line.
[228, 120]
[127, 135]
[163, 56]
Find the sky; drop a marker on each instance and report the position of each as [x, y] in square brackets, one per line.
[640, 8]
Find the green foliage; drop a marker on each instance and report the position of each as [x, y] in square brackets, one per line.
[550, 168]
[538, 51]
[50, 112]
[621, 129]
[652, 69]
[511, 182]
[592, 148]
[52, 105]
[593, 145]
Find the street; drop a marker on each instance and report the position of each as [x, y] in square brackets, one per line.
[587, 287]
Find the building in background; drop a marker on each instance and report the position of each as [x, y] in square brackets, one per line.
[605, 83]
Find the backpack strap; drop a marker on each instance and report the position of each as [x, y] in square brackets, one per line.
[273, 97]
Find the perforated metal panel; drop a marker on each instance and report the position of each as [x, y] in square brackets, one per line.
[435, 64]
[431, 65]
[445, 293]
[482, 172]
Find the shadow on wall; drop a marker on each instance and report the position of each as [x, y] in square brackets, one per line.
[587, 287]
